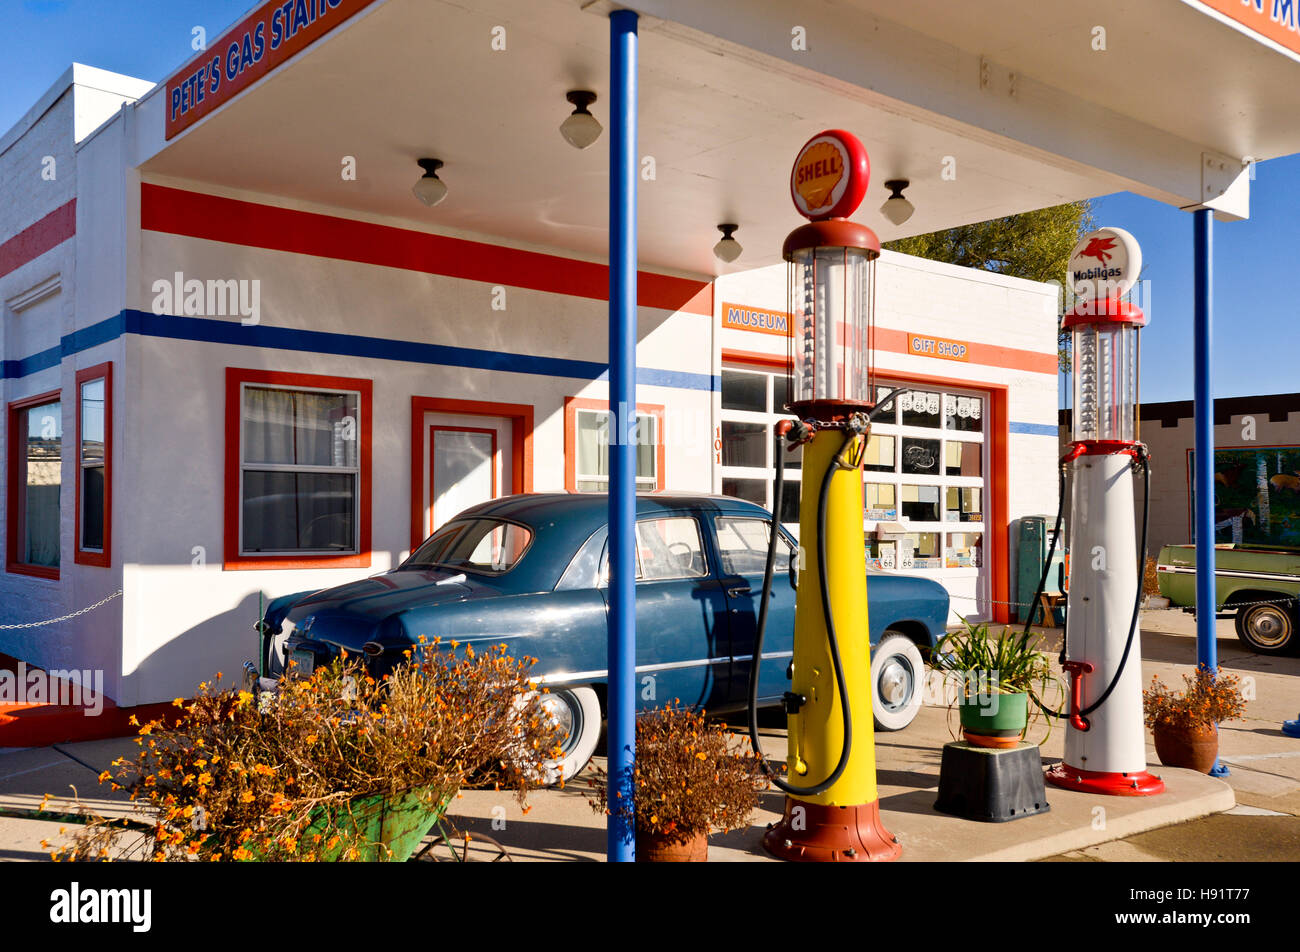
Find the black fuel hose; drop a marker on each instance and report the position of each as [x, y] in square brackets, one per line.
[1137, 602]
[832, 642]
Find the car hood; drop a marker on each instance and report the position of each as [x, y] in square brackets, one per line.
[382, 596]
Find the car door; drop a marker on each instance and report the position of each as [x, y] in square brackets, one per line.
[681, 616]
[742, 543]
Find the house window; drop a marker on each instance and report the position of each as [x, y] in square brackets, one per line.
[298, 470]
[35, 468]
[94, 462]
[587, 435]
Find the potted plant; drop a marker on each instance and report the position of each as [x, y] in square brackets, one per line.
[335, 766]
[1185, 724]
[996, 678]
[690, 779]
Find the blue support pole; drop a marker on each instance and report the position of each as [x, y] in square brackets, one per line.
[1203, 479]
[621, 701]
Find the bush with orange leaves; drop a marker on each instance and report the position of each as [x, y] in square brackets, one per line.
[241, 778]
[690, 777]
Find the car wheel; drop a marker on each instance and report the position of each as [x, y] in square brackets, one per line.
[576, 711]
[1267, 628]
[897, 676]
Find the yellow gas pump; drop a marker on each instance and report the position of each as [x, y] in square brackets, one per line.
[831, 811]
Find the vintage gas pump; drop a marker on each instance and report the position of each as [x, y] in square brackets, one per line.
[831, 811]
[1105, 749]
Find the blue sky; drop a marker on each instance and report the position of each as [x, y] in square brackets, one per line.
[1257, 315]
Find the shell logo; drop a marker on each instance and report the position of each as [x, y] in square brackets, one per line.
[817, 173]
[829, 176]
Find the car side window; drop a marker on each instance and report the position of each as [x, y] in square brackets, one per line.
[669, 548]
[742, 545]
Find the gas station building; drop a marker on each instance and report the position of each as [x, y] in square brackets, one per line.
[240, 359]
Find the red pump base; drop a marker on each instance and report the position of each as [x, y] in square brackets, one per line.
[825, 834]
[1139, 784]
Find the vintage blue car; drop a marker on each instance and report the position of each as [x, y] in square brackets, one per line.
[529, 571]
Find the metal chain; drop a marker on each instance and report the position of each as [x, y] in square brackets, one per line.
[55, 621]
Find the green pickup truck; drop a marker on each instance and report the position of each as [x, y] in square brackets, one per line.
[1260, 584]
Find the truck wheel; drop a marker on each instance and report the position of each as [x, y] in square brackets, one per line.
[1267, 628]
[897, 675]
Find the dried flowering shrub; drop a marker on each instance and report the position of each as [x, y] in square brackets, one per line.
[1208, 697]
[278, 777]
[690, 777]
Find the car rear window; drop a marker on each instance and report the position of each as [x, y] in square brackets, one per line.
[487, 546]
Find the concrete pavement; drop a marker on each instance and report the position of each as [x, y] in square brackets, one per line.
[562, 826]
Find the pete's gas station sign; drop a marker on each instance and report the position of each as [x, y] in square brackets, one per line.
[261, 42]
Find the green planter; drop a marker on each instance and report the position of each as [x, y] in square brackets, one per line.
[998, 715]
[398, 822]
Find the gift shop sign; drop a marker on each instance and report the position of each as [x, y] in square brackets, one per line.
[937, 347]
[244, 54]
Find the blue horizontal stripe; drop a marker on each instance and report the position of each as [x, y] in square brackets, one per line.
[1035, 429]
[207, 330]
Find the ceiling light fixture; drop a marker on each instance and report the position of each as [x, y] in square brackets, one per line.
[896, 208]
[728, 249]
[581, 128]
[430, 189]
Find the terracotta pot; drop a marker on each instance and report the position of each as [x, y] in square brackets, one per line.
[1193, 747]
[657, 848]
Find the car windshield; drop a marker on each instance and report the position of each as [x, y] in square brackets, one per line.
[488, 546]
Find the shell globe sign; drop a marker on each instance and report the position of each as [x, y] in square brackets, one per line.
[829, 176]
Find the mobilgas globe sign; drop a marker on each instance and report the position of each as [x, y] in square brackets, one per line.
[1105, 264]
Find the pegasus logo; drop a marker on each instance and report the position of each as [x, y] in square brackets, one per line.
[1099, 248]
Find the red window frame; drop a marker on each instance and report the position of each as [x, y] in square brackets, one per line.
[571, 407]
[11, 505]
[236, 377]
[81, 556]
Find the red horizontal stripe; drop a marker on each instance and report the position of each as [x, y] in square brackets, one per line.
[34, 240]
[214, 218]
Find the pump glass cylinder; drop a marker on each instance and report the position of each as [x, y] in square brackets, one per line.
[831, 311]
[1105, 381]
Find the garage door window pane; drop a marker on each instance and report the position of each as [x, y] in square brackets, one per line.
[963, 459]
[921, 503]
[751, 490]
[964, 550]
[745, 444]
[963, 504]
[879, 455]
[742, 391]
[919, 408]
[881, 502]
[965, 414]
[920, 457]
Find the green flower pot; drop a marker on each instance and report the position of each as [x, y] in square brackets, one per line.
[398, 822]
[996, 715]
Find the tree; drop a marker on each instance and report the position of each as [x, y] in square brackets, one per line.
[1034, 245]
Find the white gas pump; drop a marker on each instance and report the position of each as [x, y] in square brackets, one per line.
[1105, 745]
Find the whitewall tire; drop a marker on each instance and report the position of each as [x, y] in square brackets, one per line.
[577, 711]
[897, 679]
